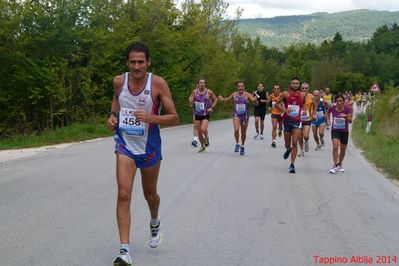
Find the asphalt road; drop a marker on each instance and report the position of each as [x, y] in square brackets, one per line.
[218, 208]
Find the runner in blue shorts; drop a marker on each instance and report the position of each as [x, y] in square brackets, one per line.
[135, 118]
[319, 121]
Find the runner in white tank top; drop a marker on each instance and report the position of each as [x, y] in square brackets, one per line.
[135, 117]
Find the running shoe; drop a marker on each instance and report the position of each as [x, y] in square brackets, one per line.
[155, 238]
[334, 169]
[340, 168]
[123, 258]
[280, 133]
[194, 143]
[287, 153]
[256, 135]
[206, 141]
[291, 169]
[318, 147]
[242, 151]
[322, 142]
[202, 149]
[261, 136]
[301, 153]
[237, 148]
[306, 146]
[274, 144]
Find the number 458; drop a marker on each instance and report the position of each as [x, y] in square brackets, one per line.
[131, 121]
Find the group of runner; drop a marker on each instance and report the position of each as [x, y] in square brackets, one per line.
[296, 111]
[135, 118]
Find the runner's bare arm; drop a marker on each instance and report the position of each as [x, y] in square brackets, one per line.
[253, 99]
[268, 98]
[229, 98]
[282, 96]
[328, 117]
[191, 98]
[162, 93]
[314, 106]
[349, 118]
[113, 116]
[214, 100]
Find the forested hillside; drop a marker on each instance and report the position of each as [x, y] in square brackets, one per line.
[58, 58]
[357, 25]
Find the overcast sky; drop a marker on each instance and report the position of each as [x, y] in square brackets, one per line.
[272, 8]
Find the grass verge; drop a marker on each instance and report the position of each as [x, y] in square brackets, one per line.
[378, 148]
[74, 132]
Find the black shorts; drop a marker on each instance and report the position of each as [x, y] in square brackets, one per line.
[341, 135]
[306, 123]
[278, 117]
[201, 117]
[290, 125]
[260, 111]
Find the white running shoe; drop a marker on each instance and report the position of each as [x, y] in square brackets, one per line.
[155, 238]
[306, 146]
[261, 136]
[256, 135]
[340, 168]
[318, 147]
[334, 170]
[123, 258]
[301, 153]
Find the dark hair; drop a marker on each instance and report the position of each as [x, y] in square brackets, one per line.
[295, 78]
[201, 79]
[240, 81]
[138, 47]
[339, 95]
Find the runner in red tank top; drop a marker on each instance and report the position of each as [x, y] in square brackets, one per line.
[292, 122]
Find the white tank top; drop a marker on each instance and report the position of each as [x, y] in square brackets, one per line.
[138, 137]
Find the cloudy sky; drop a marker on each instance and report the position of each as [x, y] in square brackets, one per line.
[272, 8]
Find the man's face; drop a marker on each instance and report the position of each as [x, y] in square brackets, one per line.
[295, 84]
[261, 87]
[138, 64]
[240, 87]
[327, 91]
[316, 95]
[276, 89]
[201, 84]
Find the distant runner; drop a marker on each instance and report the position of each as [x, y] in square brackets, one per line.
[309, 107]
[341, 117]
[327, 101]
[203, 100]
[276, 116]
[260, 110]
[319, 121]
[240, 114]
[292, 121]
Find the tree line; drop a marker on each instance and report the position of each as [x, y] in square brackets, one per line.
[58, 57]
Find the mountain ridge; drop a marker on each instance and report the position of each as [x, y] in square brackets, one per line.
[281, 31]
